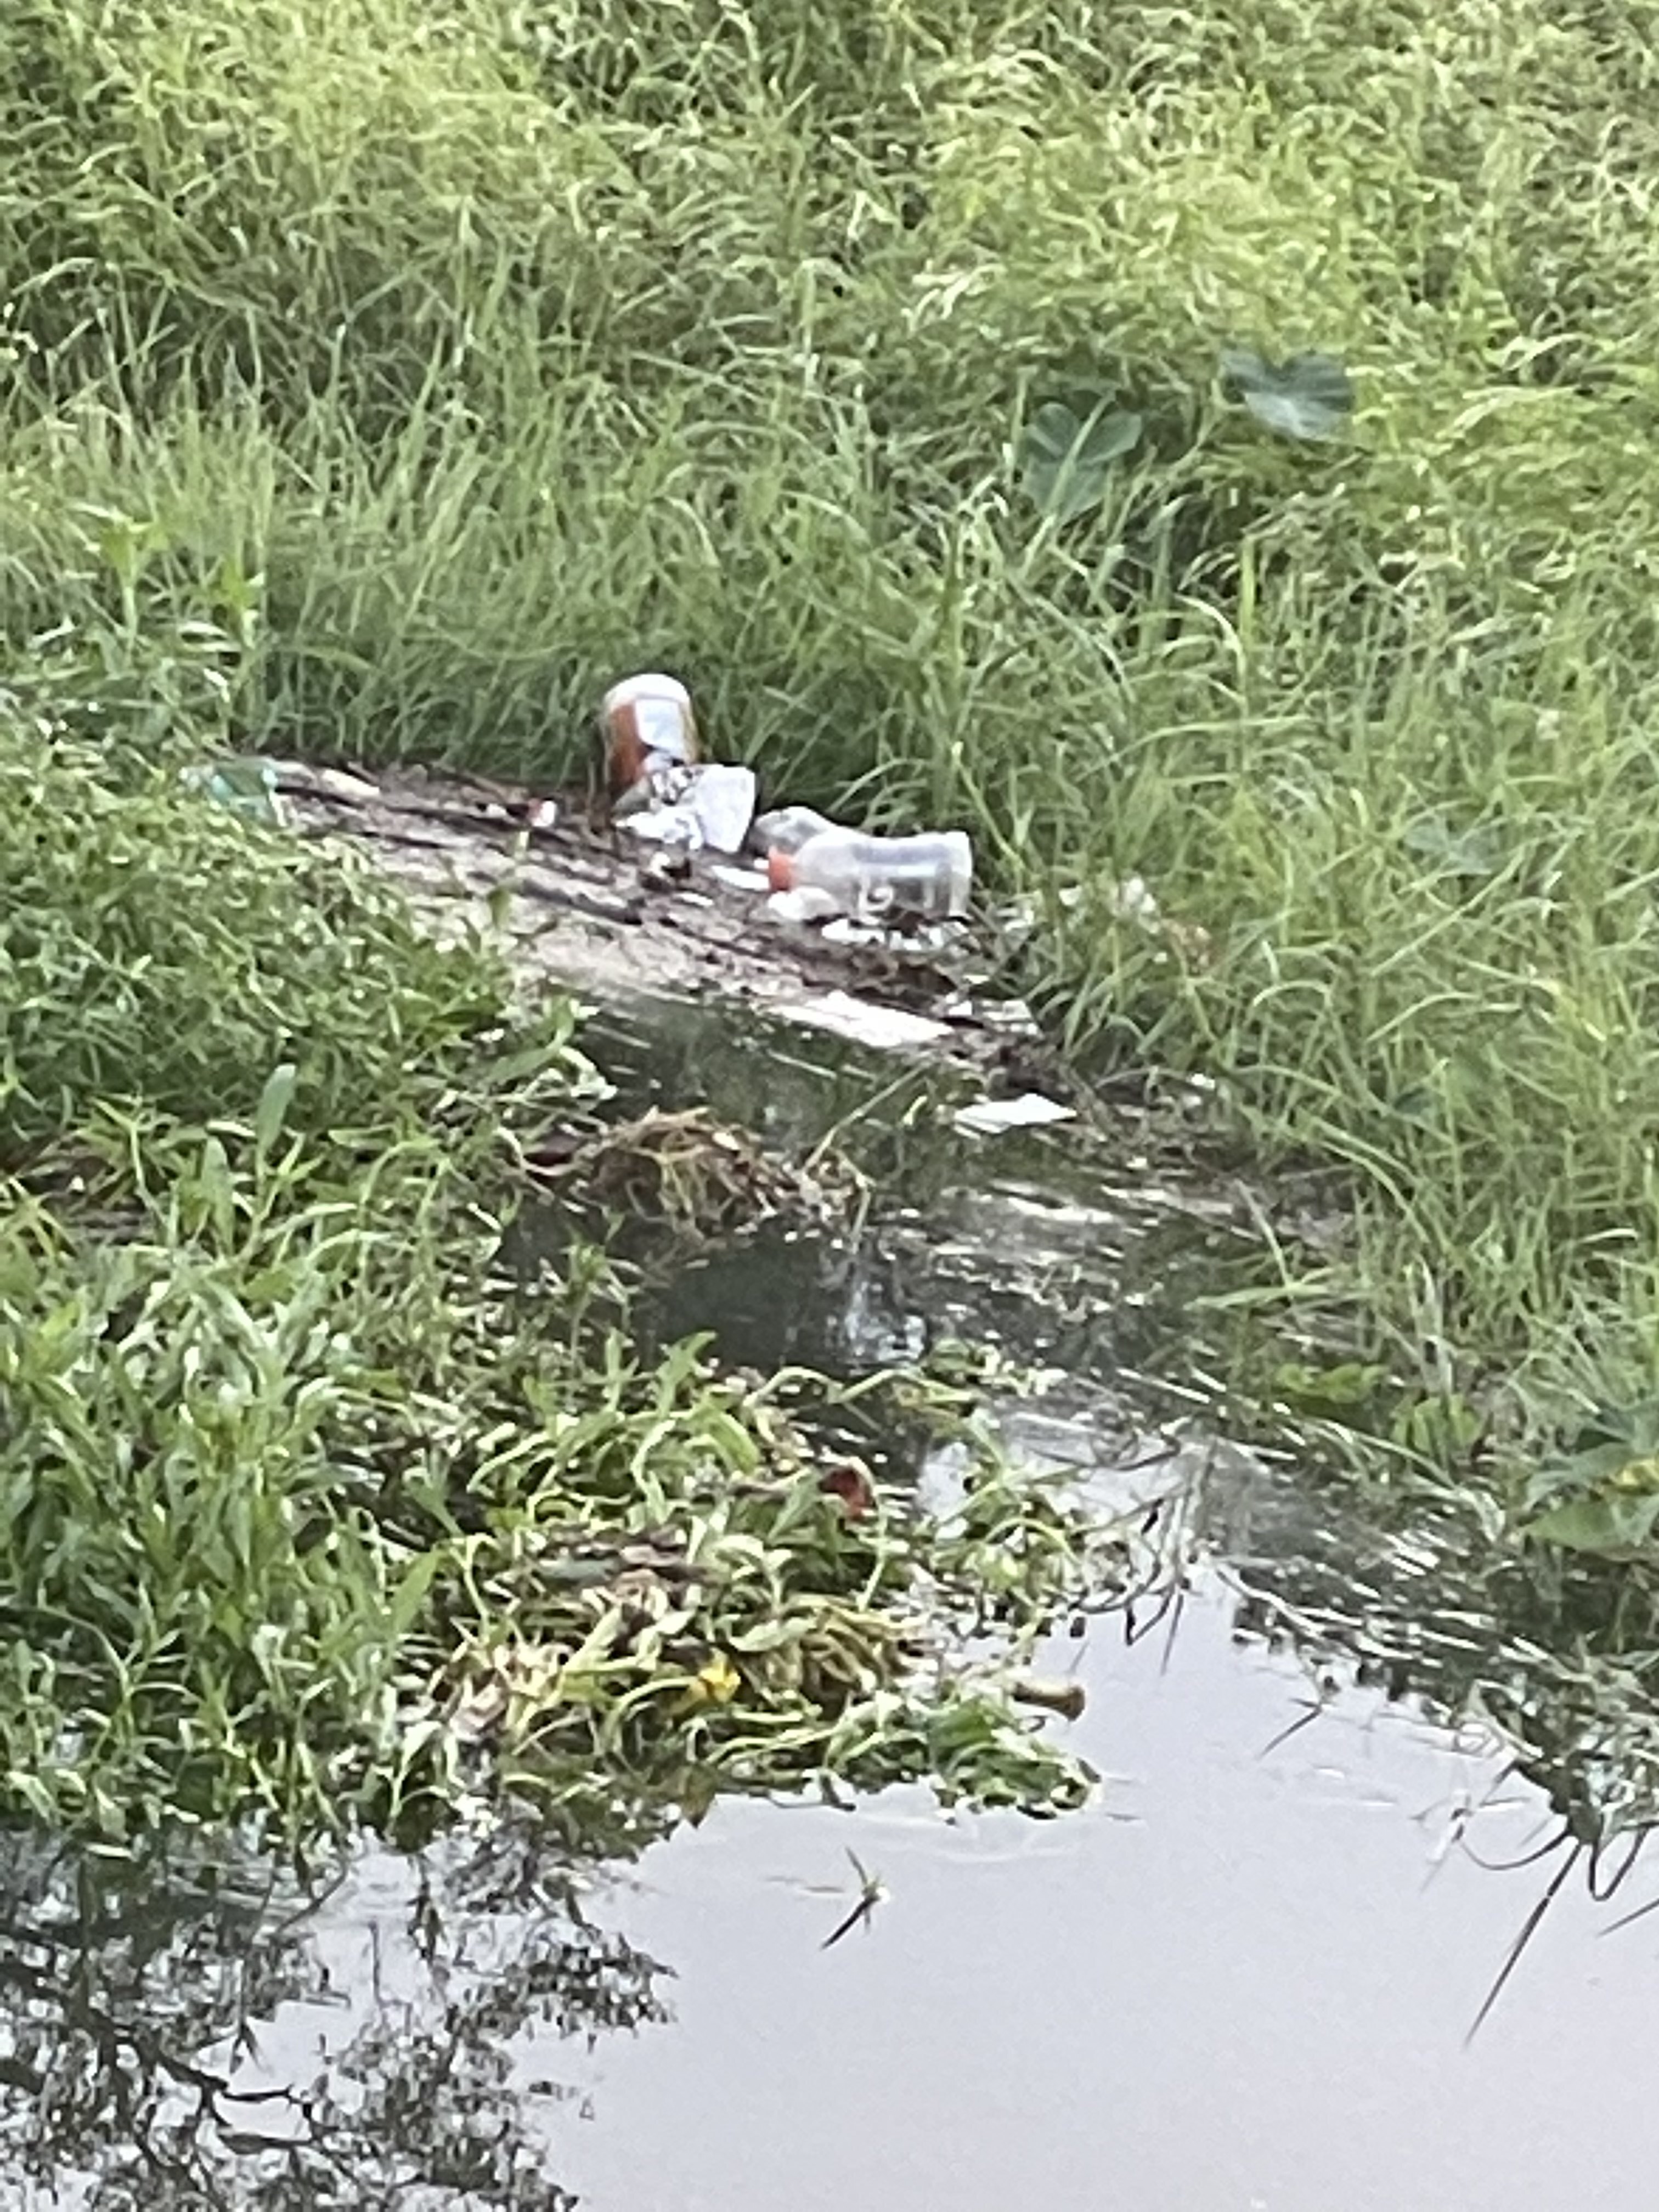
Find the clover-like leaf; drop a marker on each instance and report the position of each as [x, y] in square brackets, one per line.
[1308, 397]
[1067, 457]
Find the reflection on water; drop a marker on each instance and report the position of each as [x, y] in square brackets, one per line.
[1055, 1247]
[1243, 1984]
[175, 2043]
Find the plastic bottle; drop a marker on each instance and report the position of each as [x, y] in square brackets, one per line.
[871, 877]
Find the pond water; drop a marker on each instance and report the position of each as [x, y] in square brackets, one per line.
[1243, 1981]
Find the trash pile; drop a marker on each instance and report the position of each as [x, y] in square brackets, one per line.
[660, 786]
[793, 880]
[860, 889]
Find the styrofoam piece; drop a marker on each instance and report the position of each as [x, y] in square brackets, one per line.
[886, 1029]
[991, 1117]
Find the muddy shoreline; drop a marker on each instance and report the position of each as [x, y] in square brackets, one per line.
[583, 909]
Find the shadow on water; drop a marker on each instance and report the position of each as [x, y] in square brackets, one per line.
[1241, 1983]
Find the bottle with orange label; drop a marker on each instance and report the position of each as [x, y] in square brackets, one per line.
[649, 734]
[872, 879]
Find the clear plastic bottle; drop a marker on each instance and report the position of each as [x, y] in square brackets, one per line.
[871, 878]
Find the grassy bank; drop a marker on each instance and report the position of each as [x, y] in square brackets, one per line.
[447, 358]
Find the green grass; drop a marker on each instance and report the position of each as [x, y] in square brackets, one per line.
[450, 357]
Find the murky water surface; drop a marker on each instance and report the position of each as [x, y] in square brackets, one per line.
[1241, 1983]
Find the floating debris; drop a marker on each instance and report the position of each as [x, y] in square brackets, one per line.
[911, 941]
[1068, 1699]
[874, 879]
[1009, 1016]
[737, 877]
[648, 728]
[698, 809]
[669, 868]
[787, 829]
[806, 904]
[698, 1177]
[670, 920]
[658, 786]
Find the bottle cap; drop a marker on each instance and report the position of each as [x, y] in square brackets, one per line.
[780, 870]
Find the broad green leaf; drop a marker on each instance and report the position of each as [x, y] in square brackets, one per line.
[1611, 1528]
[1636, 1427]
[1616, 1449]
[274, 1103]
[1437, 1427]
[1067, 457]
[125, 544]
[1308, 397]
[1338, 1388]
